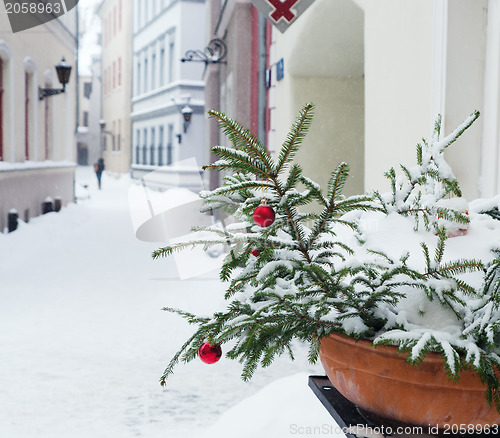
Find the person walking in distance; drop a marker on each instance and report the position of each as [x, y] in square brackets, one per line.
[98, 168]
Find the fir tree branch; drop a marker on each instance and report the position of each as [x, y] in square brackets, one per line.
[173, 362]
[243, 138]
[457, 132]
[315, 189]
[236, 160]
[294, 138]
[337, 182]
[293, 177]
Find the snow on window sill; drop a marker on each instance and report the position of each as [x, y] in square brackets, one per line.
[6, 166]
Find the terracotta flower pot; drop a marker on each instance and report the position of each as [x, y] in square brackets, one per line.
[379, 381]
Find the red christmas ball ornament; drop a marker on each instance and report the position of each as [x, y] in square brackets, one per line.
[255, 252]
[209, 353]
[264, 215]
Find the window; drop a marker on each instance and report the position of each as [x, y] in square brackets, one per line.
[153, 71]
[144, 146]
[27, 104]
[114, 20]
[137, 146]
[113, 136]
[119, 72]
[152, 148]
[120, 11]
[1, 109]
[110, 28]
[139, 14]
[162, 66]
[85, 121]
[119, 136]
[160, 146]
[170, 143]
[145, 80]
[87, 89]
[105, 32]
[138, 83]
[171, 49]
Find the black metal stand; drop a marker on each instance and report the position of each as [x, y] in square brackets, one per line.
[356, 423]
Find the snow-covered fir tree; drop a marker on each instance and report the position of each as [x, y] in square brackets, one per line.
[417, 267]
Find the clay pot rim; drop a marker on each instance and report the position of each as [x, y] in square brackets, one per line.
[384, 350]
[363, 372]
[467, 376]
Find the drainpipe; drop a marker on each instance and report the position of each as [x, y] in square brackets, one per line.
[262, 90]
[77, 81]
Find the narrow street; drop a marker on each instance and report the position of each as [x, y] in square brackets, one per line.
[83, 340]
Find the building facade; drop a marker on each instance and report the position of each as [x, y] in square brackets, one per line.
[237, 86]
[83, 136]
[380, 73]
[37, 135]
[90, 137]
[116, 19]
[436, 63]
[164, 88]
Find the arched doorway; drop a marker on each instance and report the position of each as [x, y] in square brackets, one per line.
[323, 58]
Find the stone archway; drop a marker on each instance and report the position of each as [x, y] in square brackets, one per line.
[325, 65]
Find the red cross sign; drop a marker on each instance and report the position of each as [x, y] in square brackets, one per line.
[282, 13]
[282, 9]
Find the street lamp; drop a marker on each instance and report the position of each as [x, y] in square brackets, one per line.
[63, 70]
[102, 124]
[187, 112]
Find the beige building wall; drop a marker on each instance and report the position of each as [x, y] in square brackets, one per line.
[423, 58]
[323, 63]
[398, 62]
[490, 164]
[465, 91]
[26, 52]
[116, 18]
[379, 73]
[45, 167]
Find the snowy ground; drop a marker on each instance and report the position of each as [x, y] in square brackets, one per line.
[83, 341]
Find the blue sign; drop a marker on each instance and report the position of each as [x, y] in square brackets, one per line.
[280, 70]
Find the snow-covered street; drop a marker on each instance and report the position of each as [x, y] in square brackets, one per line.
[83, 340]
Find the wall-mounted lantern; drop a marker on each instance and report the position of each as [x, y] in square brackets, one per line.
[63, 70]
[187, 112]
[102, 124]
